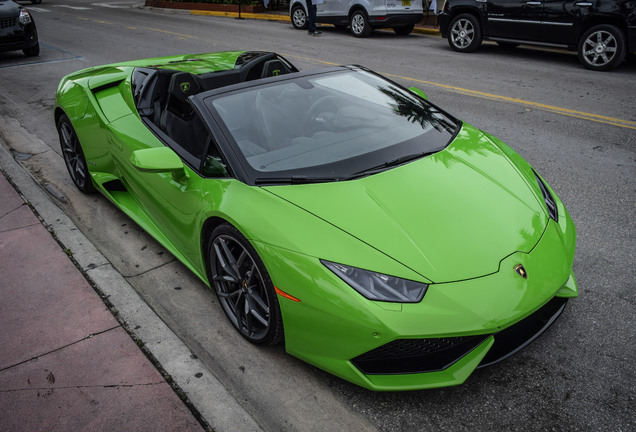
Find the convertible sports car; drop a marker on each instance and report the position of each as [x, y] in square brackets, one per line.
[379, 237]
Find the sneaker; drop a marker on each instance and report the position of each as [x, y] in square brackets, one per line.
[316, 33]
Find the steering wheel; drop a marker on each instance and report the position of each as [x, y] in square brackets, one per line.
[321, 115]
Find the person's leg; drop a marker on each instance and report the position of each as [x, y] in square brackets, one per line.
[312, 17]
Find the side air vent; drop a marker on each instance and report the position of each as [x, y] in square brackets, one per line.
[547, 197]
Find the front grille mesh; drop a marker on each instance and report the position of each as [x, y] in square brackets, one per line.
[8, 22]
[416, 355]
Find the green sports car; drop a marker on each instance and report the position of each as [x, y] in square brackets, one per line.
[379, 237]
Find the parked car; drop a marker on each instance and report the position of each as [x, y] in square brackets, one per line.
[17, 29]
[602, 31]
[377, 236]
[361, 16]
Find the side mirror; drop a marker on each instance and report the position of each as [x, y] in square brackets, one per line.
[158, 160]
[214, 168]
[418, 92]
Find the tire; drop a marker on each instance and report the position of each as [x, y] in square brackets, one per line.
[33, 51]
[464, 33]
[404, 30]
[602, 48]
[299, 18]
[359, 24]
[74, 156]
[243, 286]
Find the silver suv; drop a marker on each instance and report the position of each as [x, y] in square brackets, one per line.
[361, 16]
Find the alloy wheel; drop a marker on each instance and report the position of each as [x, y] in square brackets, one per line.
[462, 33]
[74, 156]
[241, 288]
[599, 48]
[299, 18]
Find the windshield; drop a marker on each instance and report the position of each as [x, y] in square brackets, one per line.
[329, 126]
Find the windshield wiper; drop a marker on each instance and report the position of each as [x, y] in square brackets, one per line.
[296, 179]
[392, 163]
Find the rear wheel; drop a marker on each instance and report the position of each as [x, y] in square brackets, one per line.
[299, 18]
[602, 47]
[74, 156]
[465, 33]
[404, 30]
[359, 24]
[244, 287]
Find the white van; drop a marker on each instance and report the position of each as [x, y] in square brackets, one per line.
[361, 16]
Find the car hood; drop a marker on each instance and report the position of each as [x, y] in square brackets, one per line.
[450, 216]
[9, 9]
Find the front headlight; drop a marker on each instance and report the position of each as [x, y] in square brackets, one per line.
[550, 203]
[25, 17]
[378, 286]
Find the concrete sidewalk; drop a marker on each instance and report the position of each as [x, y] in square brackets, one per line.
[66, 364]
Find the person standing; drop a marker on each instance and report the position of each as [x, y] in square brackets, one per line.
[312, 7]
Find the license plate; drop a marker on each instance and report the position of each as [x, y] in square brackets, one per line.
[406, 2]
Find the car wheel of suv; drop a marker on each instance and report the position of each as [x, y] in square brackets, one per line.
[404, 30]
[465, 33]
[359, 24]
[602, 48]
[299, 18]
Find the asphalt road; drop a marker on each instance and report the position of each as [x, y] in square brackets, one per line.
[576, 127]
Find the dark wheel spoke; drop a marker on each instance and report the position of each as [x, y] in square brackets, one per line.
[226, 259]
[253, 304]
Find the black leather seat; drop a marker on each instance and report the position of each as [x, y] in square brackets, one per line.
[273, 68]
[178, 120]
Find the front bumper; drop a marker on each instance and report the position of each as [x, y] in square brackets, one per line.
[15, 36]
[440, 341]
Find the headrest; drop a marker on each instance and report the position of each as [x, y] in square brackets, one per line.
[183, 85]
[273, 68]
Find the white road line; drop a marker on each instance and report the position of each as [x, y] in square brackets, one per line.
[37, 9]
[73, 7]
[113, 5]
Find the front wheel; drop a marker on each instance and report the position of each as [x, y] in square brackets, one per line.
[359, 24]
[299, 18]
[465, 33]
[602, 48]
[243, 286]
[74, 156]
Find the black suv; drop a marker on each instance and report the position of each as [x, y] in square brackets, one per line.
[602, 31]
[17, 29]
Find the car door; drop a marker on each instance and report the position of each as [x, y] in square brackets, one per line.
[562, 20]
[324, 9]
[514, 19]
[169, 200]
